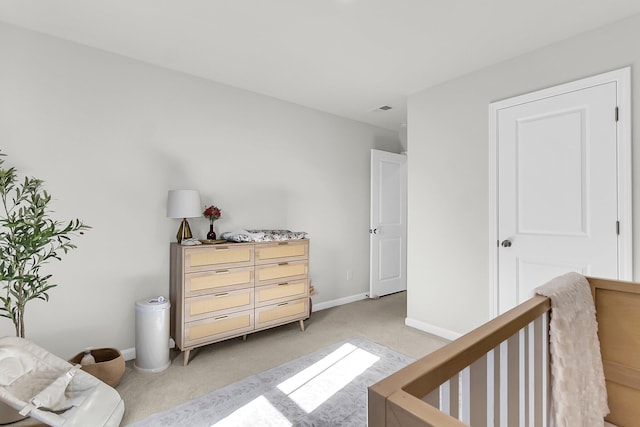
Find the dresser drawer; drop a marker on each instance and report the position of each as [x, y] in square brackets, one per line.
[282, 313]
[282, 251]
[219, 327]
[284, 271]
[215, 280]
[271, 294]
[219, 256]
[220, 303]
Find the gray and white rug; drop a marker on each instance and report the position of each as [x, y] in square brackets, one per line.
[325, 388]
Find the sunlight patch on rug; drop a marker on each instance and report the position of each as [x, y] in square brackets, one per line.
[328, 376]
[246, 414]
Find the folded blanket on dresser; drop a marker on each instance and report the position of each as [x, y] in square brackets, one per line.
[263, 235]
[577, 378]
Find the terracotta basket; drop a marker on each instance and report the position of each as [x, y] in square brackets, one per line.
[109, 366]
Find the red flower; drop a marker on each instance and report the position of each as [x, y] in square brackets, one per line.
[212, 212]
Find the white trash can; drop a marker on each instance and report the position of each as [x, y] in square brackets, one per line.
[152, 335]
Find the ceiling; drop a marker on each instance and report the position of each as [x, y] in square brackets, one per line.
[345, 57]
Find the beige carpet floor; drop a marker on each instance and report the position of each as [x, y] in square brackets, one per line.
[220, 364]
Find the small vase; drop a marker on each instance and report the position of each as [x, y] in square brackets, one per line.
[211, 235]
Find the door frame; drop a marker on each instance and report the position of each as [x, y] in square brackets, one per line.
[622, 77]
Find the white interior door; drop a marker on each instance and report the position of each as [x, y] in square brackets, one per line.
[558, 207]
[388, 232]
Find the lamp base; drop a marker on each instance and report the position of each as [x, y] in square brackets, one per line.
[184, 232]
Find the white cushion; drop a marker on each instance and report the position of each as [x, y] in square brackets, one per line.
[13, 365]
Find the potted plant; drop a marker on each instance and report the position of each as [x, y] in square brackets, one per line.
[29, 238]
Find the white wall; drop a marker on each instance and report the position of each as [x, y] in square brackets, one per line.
[110, 136]
[448, 270]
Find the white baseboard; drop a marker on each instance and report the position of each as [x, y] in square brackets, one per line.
[432, 329]
[130, 353]
[340, 301]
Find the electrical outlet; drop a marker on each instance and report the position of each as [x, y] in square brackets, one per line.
[349, 275]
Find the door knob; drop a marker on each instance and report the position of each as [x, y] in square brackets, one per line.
[506, 243]
[373, 231]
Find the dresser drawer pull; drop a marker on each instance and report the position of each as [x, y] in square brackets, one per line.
[283, 243]
[222, 248]
[283, 303]
[221, 271]
[220, 317]
[283, 284]
[221, 295]
[283, 263]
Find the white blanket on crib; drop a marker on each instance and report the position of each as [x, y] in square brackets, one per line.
[577, 378]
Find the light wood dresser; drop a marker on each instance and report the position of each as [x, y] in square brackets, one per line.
[228, 290]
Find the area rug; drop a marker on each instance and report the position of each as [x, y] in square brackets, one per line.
[325, 388]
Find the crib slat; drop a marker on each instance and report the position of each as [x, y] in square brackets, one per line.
[449, 397]
[544, 351]
[538, 373]
[504, 390]
[433, 398]
[454, 396]
[533, 370]
[465, 395]
[491, 389]
[478, 392]
[513, 377]
[522, 377]
[538, 338]
[445, 397]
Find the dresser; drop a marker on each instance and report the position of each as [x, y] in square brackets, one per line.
[229, 290]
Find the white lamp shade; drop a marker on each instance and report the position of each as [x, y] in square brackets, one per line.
[183, 204]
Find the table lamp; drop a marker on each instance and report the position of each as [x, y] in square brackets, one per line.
[183, 204]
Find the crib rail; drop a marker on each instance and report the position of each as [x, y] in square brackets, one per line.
[494, 375]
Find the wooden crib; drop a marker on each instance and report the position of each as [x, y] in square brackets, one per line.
[498, 374]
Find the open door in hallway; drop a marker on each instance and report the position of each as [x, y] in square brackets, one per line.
[388, 228]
